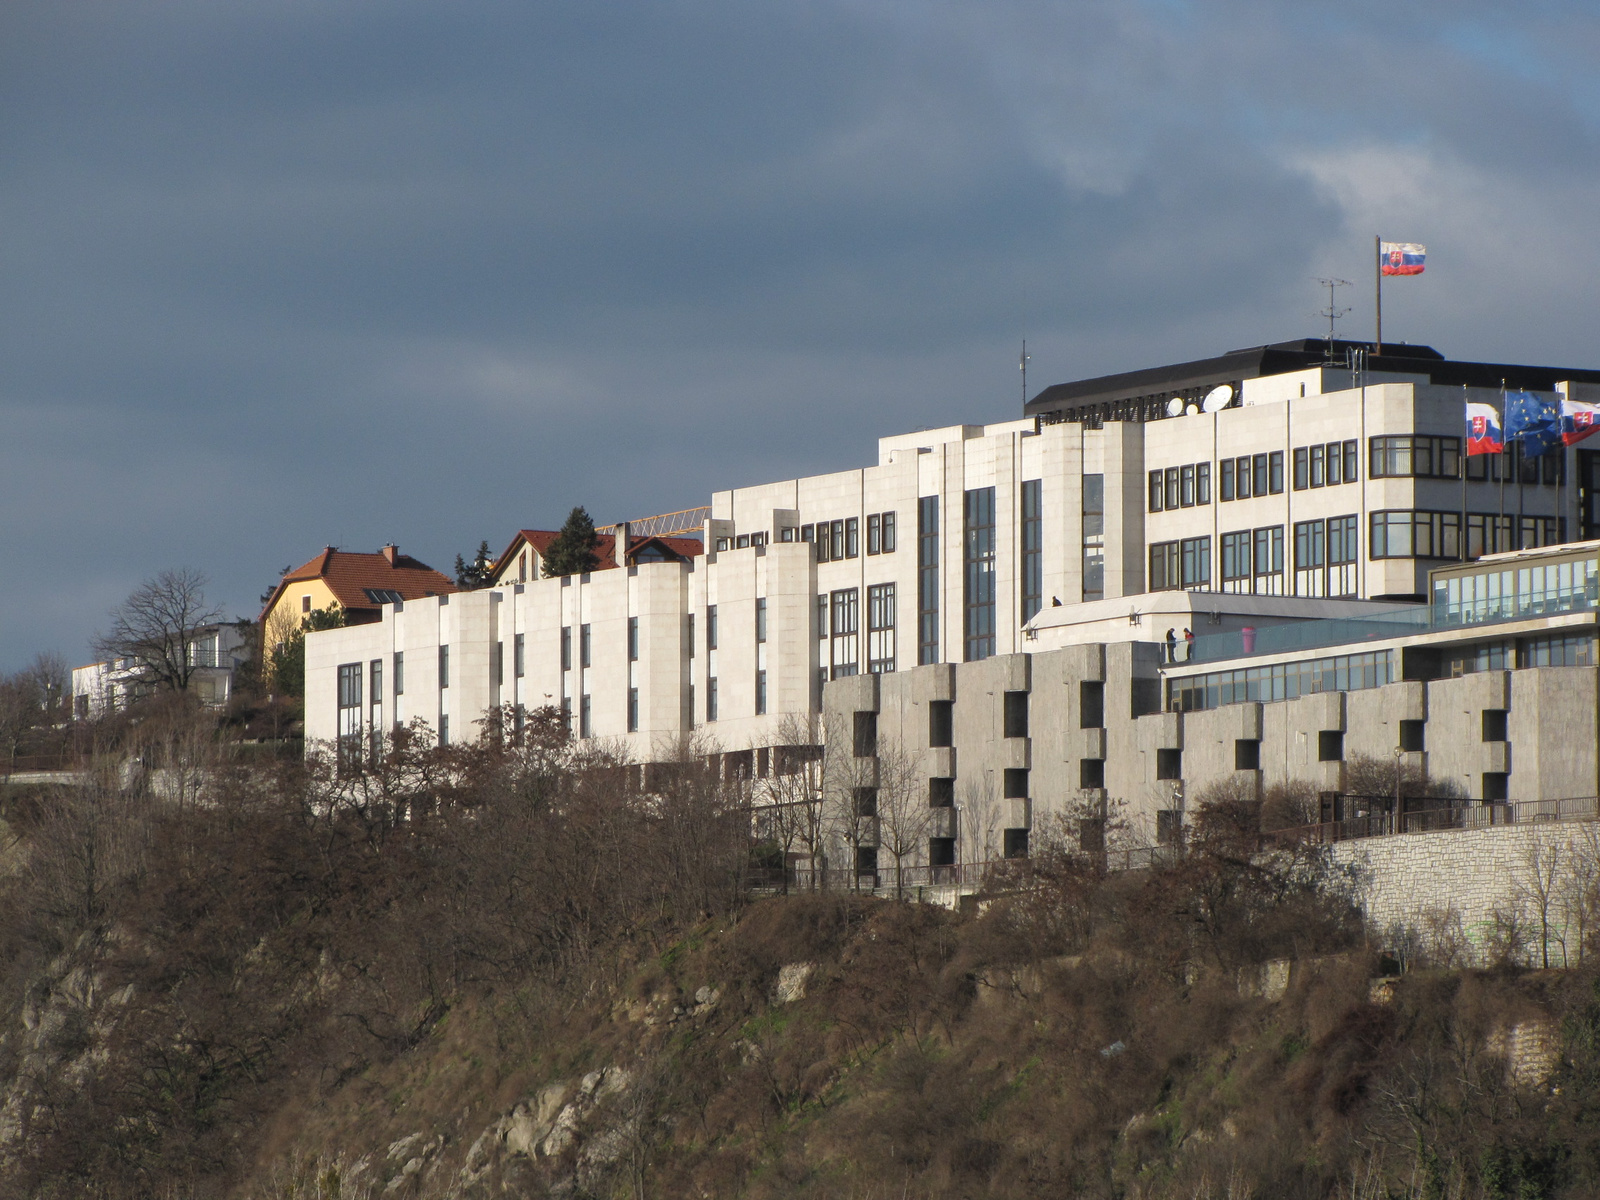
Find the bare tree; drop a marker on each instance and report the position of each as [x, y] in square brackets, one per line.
[904, 814]
[850, 794]
[789, 808]
[156, 628]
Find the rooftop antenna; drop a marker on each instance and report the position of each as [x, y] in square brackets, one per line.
[1023, 364]
[1333, 312]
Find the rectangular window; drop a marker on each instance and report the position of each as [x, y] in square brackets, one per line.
[633, 710]
[1334, 458]
[499, 664]
[1164, 574]
[375, 716]
[1302, 469]
[843, 649]
[1269, 561]
[711, 698]
[888, 533]
[1202, 483]
[1275, 472]
[1094, 539]
[761, 692]
[444, 667]
[1310, 559]
[585, 646]
[349, 717]
[1236, 572]
[585, 717]
[1352, 463]
[836, 540]
[1033, 547]
[519, 655]
[979, 553]
[822, 617]
[761, 620]
[1284, 681]
[928, 579]
[400, 673]
[941, 722]
[1405, 533]
[1258, 475]
[1196, 562]
[711, 627]
[444, 729]
[689, 638]
[633, 640]
[1242, 477]
[1186, 486]
[1319, 475]
[874, 534]
[566, 647]
[1342, 554]
[375, 681]
[1170, 488]
[1015, 715]
[808, 533]
[880, 628]
[1156, 491]
[1225, 485]
[852, 537]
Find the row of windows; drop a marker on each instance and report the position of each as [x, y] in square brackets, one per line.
[1419, 533]
[1282, 681]
[1182, 564]
[842, 539]
[838, 626]
[1251, 475]
[1180, 487]
[1517, 592]
[743, 540]
[1551, 650]
[1326, 465]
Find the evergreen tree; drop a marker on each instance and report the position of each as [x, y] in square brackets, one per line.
[475, 574]
[573, 551]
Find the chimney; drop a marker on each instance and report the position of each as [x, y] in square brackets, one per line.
[620, 548]
[391, 552]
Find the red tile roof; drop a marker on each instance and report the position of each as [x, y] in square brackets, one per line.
[605, 551]
[349, 573]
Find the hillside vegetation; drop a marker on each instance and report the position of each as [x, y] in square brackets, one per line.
[500, 970]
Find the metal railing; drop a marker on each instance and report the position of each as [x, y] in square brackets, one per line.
[1453, 817]
[686, 520]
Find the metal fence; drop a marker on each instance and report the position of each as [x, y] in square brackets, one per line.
[1475, 815]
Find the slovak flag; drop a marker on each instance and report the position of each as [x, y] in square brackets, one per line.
[1579, 419]
[1402, 258]
[1483, 430]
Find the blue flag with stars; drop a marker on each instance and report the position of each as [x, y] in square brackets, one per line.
[1535, 421]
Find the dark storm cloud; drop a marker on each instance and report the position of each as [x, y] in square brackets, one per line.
[283, 274]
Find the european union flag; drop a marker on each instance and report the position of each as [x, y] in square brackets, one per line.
[1535, 421]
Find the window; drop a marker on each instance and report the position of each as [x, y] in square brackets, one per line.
[633, 641]
[808, 533]
[444, 667]
[1032, 548]
[1225, 485]
[874, 534]
[711, 698]
[1559, 650]
[1310, 559]
[941, 722]
[1170, 487]
[1186, 486]
[741, 542]
[843, 650]
[1413, 735]
[761, 692]
[522, 567]
[979, 553]
[519, 658]
[928, 579]
[1180, 565]
[633, 710]
[711, 627]
[1091, 704]
[444, 729]
[1155, 492]
[1094, 539]
[1169, 764]
[880, 628]
[1091, 772]
[382, 596]
[566, 647]
[822, 617]
[1246, 754]
[1258, 475]
[689, 635]
[349, 717]
[941, 792]
[305, 604]
[865, 741]
[585, 717]
[1330, 745]
[1202, 483]
[1495, 724]
[888, 533]
[399, 672]
[1302, 470]
[761, 621]
[1404, 533]
[1015, 715]
[1342, 554]
[585, 646]
[1415, 455]
[1284, 681]
[499, 665]
[852, 537]
[1014, 783]
[1252, 561]
[836, 540]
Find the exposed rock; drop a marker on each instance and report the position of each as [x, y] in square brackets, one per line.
[791, 985]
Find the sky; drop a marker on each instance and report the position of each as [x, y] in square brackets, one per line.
[289, 273]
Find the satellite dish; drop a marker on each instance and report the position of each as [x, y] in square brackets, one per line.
[1175, 407]
[1192, 409]
[1218, 398]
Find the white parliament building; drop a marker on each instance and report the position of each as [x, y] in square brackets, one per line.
[1125, 537]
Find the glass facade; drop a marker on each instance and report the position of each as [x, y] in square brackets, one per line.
[1032, 548]
[979, 553]
[928, 580]
[1508, 593]
[1281, 681]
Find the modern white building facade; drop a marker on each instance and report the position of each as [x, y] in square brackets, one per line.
[1307, 490]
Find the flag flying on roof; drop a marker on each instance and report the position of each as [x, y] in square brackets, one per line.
[1402, 258]
[1579, 418]
[1483, 430]
[1533, 420]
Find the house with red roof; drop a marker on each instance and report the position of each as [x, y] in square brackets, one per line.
[524, 558]
[357, 583]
